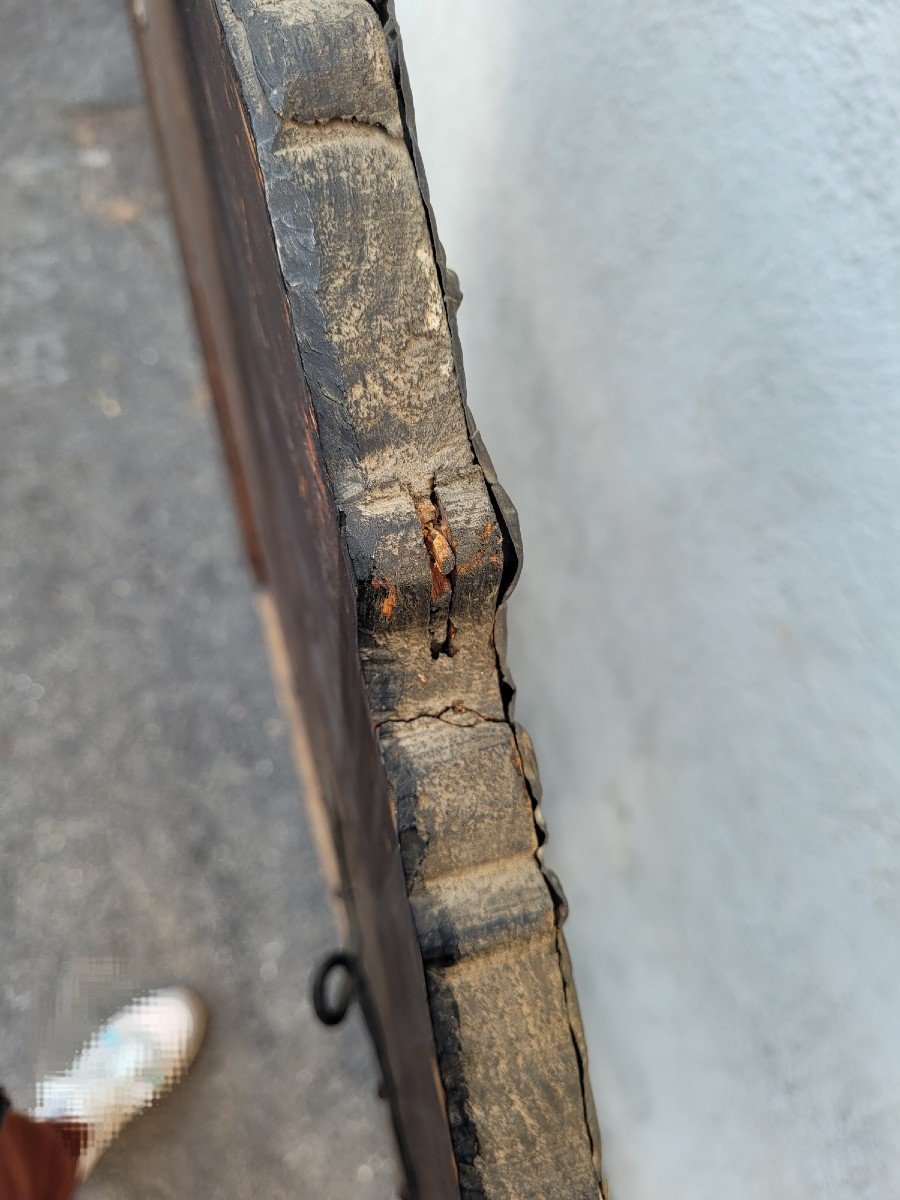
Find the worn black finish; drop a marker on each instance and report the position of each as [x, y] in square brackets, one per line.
[249, 342]
[329, 242]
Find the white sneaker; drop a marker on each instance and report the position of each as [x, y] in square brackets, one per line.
[133, 1060]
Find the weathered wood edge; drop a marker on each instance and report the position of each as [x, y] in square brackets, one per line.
[513, 1182]
[509, 516]
[293, 539]
[335, 185]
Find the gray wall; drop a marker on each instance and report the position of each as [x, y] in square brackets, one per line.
[676, 226]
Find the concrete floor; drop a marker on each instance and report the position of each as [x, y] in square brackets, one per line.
[151, 829]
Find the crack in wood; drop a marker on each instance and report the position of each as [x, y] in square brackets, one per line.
[433, 547]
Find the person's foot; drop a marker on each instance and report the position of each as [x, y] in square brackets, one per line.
[132, 1060]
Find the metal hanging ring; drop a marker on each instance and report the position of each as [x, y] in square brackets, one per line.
[328, 1012]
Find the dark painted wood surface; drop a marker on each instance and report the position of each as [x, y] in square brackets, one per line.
[291, 527]
[390, 550]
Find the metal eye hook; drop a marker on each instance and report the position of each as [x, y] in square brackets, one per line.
[333, 1013]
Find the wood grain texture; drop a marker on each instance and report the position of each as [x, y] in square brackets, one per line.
[249, 342]
[361, 459]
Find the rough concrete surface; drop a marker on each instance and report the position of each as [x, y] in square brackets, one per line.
[151, 829]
